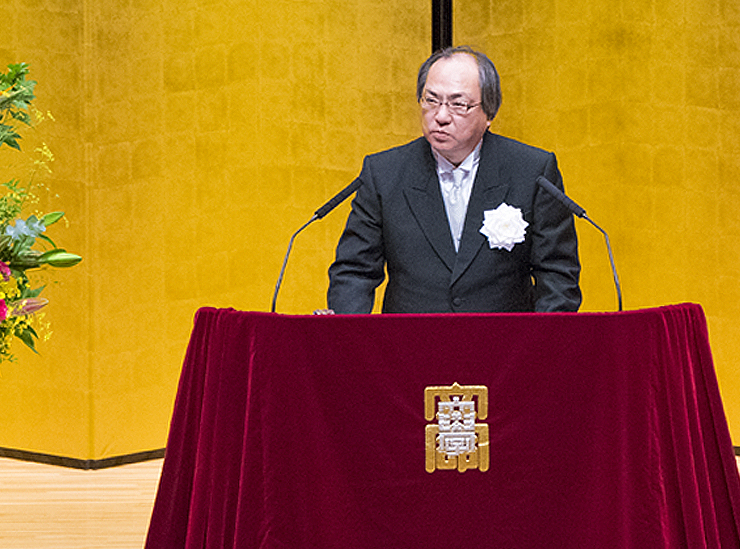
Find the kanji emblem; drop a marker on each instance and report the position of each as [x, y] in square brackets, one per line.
[456, 441]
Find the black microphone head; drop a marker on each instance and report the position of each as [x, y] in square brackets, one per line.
[547, 185]
[338, 199]
[561, 196]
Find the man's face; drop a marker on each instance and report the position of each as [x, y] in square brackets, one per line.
[454, 136]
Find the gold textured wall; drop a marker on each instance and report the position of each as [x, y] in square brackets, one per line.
[192, 139]
[45, 401]
[641, 102]
[194, 136]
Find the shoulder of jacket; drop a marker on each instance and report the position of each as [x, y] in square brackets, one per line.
[514, 146]
[414, 147]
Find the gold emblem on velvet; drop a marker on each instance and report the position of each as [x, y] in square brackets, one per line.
[456, 441]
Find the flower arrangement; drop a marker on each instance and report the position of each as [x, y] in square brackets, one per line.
[23, 244]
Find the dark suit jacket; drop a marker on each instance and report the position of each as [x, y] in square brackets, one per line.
[398, 222]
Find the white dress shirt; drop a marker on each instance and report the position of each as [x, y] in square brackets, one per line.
[456, 184]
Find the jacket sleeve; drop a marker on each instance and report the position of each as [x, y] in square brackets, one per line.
[555, 266]
[359, 267]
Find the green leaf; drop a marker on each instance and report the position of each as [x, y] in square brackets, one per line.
[5, 241]
[26, 336]
[45, 238]
[51, 218]
[16, 95]
[22, 116]
[28, 292]
[10, 140]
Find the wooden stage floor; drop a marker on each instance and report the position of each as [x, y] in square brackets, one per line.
[51, 507]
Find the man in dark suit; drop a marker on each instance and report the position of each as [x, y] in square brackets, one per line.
[456, 217]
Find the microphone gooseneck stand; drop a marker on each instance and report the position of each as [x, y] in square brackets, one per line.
[576, 210]
[320, 213]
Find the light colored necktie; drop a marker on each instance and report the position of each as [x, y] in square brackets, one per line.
[457, 207]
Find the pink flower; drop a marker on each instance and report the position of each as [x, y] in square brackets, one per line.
[5, 271]
[28, 306]
[3, 310]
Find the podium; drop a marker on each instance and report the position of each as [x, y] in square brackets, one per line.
[601, 430]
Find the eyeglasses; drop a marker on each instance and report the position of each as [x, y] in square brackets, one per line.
[456, 106]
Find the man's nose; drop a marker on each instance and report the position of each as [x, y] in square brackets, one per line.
[443, 114]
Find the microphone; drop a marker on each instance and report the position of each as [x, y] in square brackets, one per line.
[576, 210]
[561, 197]
[319, 214]
[338, 199]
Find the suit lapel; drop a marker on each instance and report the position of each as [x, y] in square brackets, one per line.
[424, 198]
[489, 190]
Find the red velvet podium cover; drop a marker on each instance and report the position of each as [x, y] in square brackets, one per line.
[605, 429]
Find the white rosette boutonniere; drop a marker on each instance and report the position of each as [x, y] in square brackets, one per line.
[504, 227]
